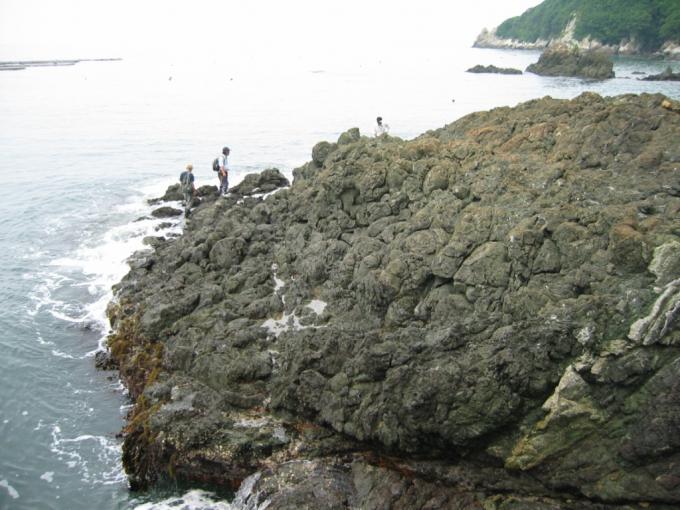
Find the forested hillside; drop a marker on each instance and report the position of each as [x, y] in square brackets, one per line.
[648, 22]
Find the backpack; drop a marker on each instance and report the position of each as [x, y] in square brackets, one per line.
[216, 165]
[185, 182]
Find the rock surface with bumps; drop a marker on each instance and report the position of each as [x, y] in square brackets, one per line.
[483, 317]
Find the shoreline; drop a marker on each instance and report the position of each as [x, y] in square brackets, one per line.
[488, 39]
[17, 65]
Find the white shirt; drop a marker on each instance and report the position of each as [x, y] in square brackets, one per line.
[381, 129]
[223, 162]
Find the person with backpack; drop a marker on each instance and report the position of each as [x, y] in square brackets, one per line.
[220, 165]
[186, 185]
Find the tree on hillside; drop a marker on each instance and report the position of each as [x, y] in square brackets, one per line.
[613, 21]
[648, 22]
[544, 21]
[670, 14]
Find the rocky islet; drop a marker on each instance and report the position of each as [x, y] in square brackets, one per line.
[568, 60]
[665, 75]
[492, 69]
[482, 317]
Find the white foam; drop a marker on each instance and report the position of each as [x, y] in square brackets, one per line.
[42, 341]
[264, 196]
[58, 354]
[34, 254]
[13, 493]
[102, 261]
[42, 293]
[76, 451]
[155, 188]
[48, 476]
[192, 500]
[66, 318]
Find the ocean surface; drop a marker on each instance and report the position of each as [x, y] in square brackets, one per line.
[81, 150]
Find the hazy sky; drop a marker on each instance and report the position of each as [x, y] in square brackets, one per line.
[125, 28]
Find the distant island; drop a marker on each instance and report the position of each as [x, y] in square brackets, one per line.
[622, 26]
[18, 65]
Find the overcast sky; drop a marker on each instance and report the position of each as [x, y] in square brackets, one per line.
[128, 28]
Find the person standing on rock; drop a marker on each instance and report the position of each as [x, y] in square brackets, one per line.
[186, 185]
[223, 172]
[380, 128]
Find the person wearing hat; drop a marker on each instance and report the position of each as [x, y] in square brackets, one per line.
[186, 184]
[380, 128]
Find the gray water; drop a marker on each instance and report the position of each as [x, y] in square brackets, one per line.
[83, 147]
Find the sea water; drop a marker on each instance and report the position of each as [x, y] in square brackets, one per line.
[83, 148]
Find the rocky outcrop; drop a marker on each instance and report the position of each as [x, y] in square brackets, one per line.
[562, 60]
[667, 75]
[264, 182]
[493, 69]
[483, 317]
[488, 38]
[539, 28]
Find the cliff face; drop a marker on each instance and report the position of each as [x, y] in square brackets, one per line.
[619, 26]
[485, 316]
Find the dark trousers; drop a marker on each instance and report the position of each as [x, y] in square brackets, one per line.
[224, 183]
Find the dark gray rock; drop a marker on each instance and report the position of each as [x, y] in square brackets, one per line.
[321, 151]
[263, 182]
[483, 317]
[166, 212]
[173, 193]
[560, 60]
[104, 361]
[349, 136]
[479, 69]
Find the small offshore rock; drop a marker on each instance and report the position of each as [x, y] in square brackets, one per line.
[493, 69]
[666, 75]
[162, 226]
